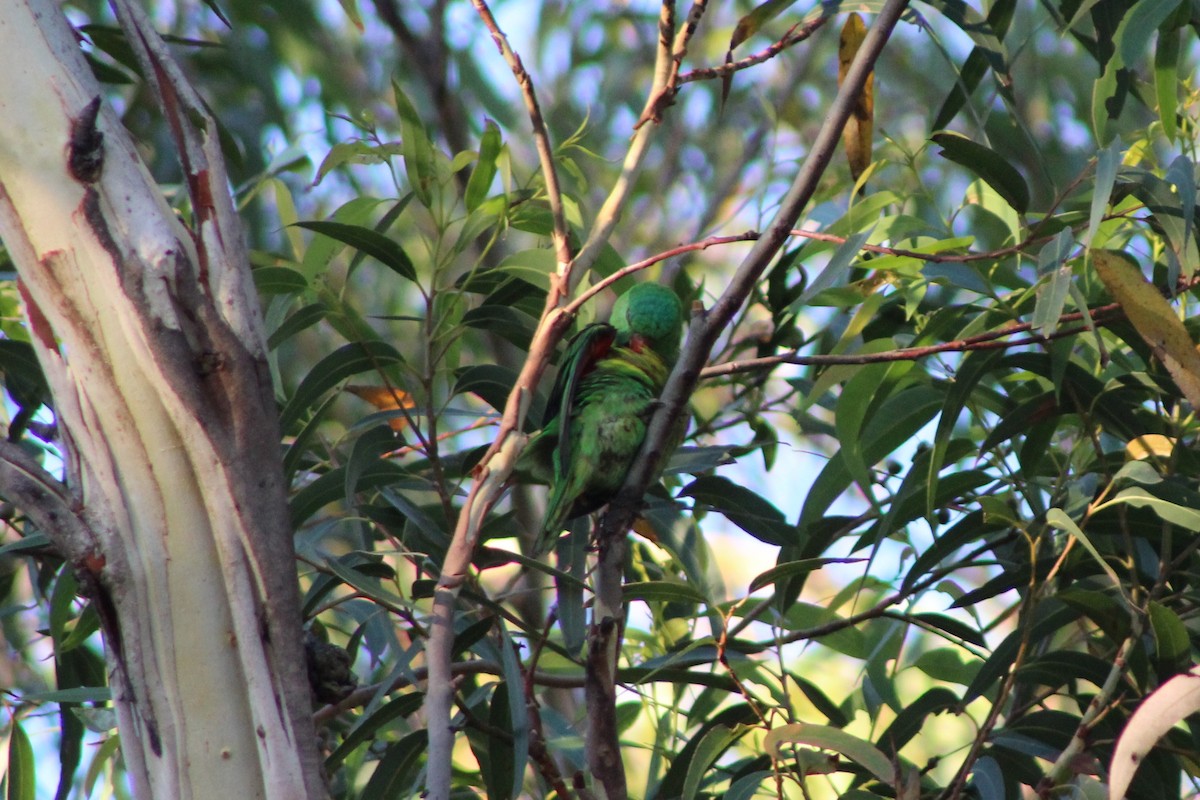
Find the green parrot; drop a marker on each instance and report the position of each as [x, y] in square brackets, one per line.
[606, 391]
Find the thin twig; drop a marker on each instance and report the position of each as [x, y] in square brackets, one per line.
[1064, 766]
[796, 34]
[638, 266]
[493, 471]
[541, 137]
[609, 214]
[706, 328]
[984, 341]
[605, 631]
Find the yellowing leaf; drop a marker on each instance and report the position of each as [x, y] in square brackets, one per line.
[856, 137]
[1149, 444]
[386, 398]
[1153, 318]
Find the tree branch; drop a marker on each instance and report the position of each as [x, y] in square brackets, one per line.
[608, 615]
[1103, 315]
[610, 213]
[46, 501]
[541, 137]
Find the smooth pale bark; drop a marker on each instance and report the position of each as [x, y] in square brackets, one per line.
[151, 339]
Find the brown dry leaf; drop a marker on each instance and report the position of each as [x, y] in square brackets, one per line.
[1153, 318]
[643, 528]
[386, 398]
[856, 137]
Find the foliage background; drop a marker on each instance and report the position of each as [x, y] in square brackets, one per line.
[966, 564]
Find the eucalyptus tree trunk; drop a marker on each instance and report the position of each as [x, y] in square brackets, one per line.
[173, 511]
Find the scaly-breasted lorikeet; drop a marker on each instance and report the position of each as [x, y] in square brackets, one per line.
[607, 388]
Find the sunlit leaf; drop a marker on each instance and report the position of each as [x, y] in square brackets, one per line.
[791, 569]
[1154, 319]
[860, 752]
[763, 13]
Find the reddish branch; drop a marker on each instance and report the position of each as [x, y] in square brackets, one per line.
[653, 113]
[796, 34]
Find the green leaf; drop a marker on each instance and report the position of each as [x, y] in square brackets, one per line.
[834, 271]
[973, 368]
[821, 702]
[367, 451]
[533, 266]
[367, 240]
[1052, 295]
[331, 488]
[1107, 162]
[490, 382]
[62, 605]
[398, 771]
[22, 373]
[499, 772]
[894, 424]
[348, 360]
[980, 59]
[299, 320]
[713, 744]
[988, 165]
[859, 395]
[351, 569]
[970, 528]
[952, 626]
[22, 774]
[1182, 175]
[761, 14]
[418, 149]
[662, 592]
[510, 323]
[76, 694]
[946, 664]
[1142, 21]
[1057, 518]
[741, 506]
[1166, 79]
[988, 780]
[857, 750]
[1171, 642]
[912, 718]
[791, 569]
[278, 280]
[1050, 618]
[484, 173]
[1061, 667]
[354, 152]
[681, 766]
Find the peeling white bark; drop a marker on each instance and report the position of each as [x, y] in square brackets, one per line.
[153, 347]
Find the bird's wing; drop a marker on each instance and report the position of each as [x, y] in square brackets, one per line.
[589, 346]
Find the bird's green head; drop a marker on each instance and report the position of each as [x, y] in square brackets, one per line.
[650, 313]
